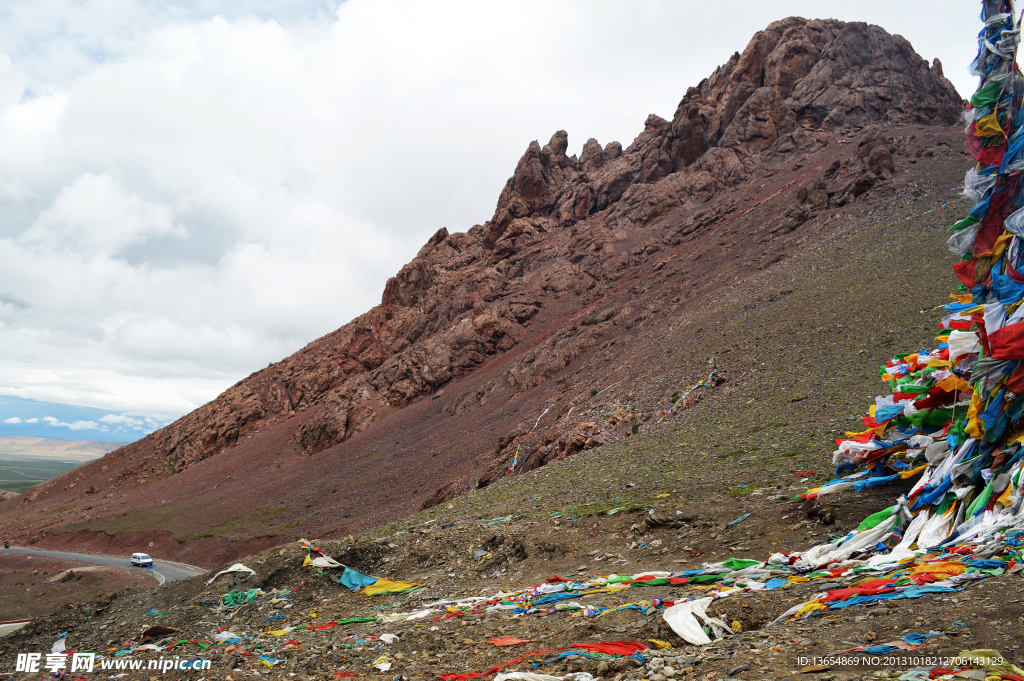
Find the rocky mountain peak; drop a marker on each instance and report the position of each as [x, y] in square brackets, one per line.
[795, 78]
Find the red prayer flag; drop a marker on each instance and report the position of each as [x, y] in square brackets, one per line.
[509, 641]
[1007, 342]
[494, 670]
[965, 271]
[613, 647]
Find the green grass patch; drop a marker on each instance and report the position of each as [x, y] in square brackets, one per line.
[260, 516]
[136, 521]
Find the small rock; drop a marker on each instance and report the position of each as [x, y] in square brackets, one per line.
[737, 670]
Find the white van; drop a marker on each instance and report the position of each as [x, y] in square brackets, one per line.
[141, 560]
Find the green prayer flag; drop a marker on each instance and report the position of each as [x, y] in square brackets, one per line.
[357, 620]
[982, 500]
[235, 597]
[876, 518]
[931, 417]
[987, 96]
[739, 563]
[704, 579]
[964, 224]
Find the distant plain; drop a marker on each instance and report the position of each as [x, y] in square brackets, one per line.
[26, 462]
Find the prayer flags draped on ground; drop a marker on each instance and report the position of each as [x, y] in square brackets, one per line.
[353, 579]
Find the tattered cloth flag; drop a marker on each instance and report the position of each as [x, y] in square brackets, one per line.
[353, 579]
[321, 562]
[237, 567]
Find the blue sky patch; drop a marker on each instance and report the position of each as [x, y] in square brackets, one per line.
[67, 422]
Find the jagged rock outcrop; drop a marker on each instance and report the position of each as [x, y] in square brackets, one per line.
[566, 230]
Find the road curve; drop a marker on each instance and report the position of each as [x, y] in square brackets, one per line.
[170, 572]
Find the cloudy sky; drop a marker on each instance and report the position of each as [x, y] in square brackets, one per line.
[191, 190]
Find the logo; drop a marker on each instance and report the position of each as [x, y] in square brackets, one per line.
[86, 662]
[55, 662]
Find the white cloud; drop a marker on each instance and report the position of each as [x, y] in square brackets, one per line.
[189, 191]
[74, 425]
[96, 217]
[123, 420]
[13, 419]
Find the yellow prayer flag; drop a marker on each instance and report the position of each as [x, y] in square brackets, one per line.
[386, 586]
[810, 607]
[988, 126]
[973, 427]
[912, 472]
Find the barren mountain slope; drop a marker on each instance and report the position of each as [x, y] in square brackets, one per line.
[594, 282]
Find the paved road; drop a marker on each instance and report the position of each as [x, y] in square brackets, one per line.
[163, 570]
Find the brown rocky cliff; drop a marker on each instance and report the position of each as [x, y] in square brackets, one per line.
[569, 233]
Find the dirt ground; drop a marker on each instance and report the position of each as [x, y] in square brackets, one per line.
[459, 557]
[35, 585]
